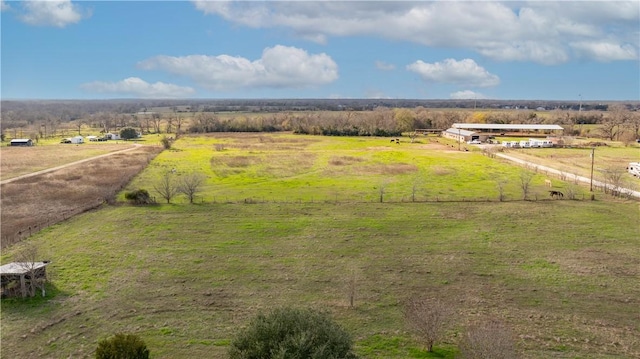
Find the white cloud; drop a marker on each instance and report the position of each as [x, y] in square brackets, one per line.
[464, 72]
[466, 95]
[605, 51]
[134, 86]
[4, 6]
[381, 65]
[279, 66]
[539, 31]
[51, 13]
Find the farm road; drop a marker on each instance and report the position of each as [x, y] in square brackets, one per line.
[570, 176]
[135, 146]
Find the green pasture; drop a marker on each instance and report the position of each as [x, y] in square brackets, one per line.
[287, 220]
[298, 168]
[561, 274]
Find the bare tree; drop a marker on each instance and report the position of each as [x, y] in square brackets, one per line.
[167, 188]
[191, 184]
[500, 185]
[613, 180]
[525, 183]
[28, 258]
[489, 340]
[428, 317]
[156, 120]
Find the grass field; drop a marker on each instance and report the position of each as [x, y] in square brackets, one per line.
[294, 220]
[18, 161]
[290, 168]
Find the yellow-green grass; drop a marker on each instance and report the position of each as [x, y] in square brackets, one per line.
[296, 168]
[561, 274]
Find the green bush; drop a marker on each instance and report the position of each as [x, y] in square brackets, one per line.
[139, 196]
[289, 333]
[122, 346]
[128, 133]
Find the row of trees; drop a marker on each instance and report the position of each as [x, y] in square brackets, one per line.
[617, 123]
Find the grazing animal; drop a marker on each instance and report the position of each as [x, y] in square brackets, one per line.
[556, 194]
[547, 183]
[397, 140]
[392, 140]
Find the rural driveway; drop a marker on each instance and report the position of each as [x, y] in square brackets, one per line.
[135, 146]
[570, 176]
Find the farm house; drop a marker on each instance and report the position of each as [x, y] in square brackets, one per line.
[21, 142]
[23, 278]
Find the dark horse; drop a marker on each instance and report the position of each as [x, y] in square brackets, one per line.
[556, 194]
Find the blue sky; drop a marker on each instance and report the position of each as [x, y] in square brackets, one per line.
[547, 50]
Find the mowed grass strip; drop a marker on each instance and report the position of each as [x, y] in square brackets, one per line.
[562, 274]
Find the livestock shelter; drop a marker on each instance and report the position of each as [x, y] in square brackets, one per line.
[498, 128]
[21, 142]
[460, 135]
[23, 278]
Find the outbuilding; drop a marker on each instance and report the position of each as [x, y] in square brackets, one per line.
[460, 135]
[77, 140]
[23, 278]
[21, 142]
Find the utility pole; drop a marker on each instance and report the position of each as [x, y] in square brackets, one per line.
[593, 150]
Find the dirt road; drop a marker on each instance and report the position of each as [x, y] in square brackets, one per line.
[135, 146]
[569, 176]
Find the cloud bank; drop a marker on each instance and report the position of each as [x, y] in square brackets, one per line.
[540, 31]
[136, 87]
[279, 67]
[464, 72]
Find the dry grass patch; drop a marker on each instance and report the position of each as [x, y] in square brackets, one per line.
[442, 171]
[40, 201]
[18, 161]
[386, 169]
[344, 160]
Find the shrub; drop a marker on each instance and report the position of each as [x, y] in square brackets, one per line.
[489, 340]
[166, 142]
[122, 346]
[128, 133]
[288, 333]
[139, 196]
[428, 317]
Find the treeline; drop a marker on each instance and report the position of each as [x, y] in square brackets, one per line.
[617, 123]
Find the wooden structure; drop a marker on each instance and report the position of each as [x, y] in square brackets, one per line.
[23, 278]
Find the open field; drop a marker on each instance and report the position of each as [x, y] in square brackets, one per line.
[30, 204]
[293, 220]
[563, 275]
[16, 161]
[289, 168]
